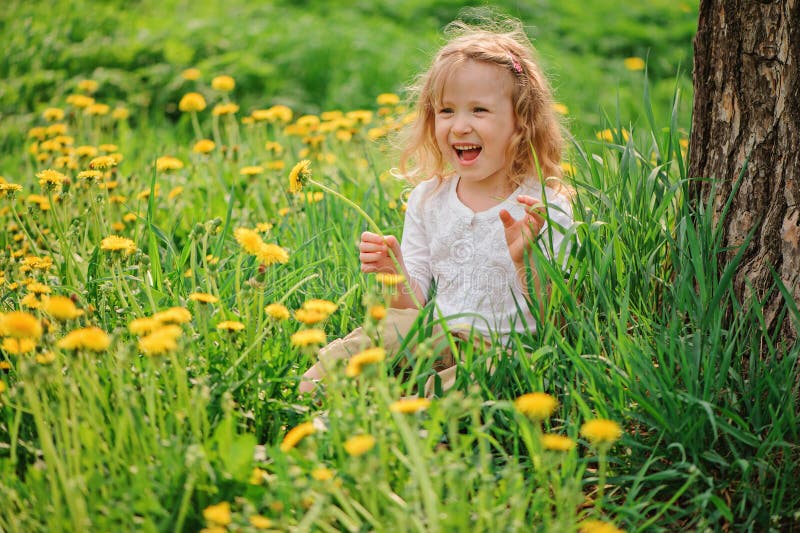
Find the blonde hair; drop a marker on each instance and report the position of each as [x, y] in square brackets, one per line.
[537, 139]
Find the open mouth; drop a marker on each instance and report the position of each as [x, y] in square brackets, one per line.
[467, 152]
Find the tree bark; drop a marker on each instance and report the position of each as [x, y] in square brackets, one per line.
[747, 110]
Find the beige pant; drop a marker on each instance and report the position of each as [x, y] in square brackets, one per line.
[391, 334]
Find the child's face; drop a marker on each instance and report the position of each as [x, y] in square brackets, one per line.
[475, 122]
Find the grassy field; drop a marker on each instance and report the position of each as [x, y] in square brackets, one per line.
[162, 290]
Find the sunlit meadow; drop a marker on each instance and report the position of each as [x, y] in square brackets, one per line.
[162, 290]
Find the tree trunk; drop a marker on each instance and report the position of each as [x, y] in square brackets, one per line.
[747, 111]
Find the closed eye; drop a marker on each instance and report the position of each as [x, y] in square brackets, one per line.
[480, 110]
[445, 111]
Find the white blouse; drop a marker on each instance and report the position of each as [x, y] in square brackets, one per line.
[465, 255]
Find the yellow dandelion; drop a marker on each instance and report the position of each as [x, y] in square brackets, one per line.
[251, 170]
[45, 358]
[218, 514]
[273, 147]
[144, 325]
[120, 113]
[248, 239]
[97, 109]
[309, 317]
[409, 405]
[225, 109]
[277, 311]
[322, 474]
[260, 522]
[115, 243]
[167, 163]
[598, 526]
[90, 338]
[359, 444]
[108, 148]
[39, 288]
[50, 177]
[634, 63]
[561, 109]
[230, 325]
[53, 114]
[61, 308]
[377, 312]
[283, 211]
[308, 337]
[368, 357]
[323, 306]
[536, 405]
[299, 175]
[88, 86]
[19, 324]
[161, 341]
[223, 83]
[388, 99]
[558, 443]
[601, 431]
[203, 297]
[269, 254]
[203, 146]
[9, 188]
[257, 476]
[191, 74]
[176, 191]
[281, 113]
[81, 101]
[295, 435]
[389, 280]
[90, 175]
[18, 346]
[102, 162]
[173, 315]
[192, 102]
[360, 116]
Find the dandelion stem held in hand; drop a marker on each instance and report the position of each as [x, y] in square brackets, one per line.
[301, 174]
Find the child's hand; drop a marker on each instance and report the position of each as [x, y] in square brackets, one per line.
[522, 233]
[374, 253]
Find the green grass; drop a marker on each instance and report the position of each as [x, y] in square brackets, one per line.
[645, 331]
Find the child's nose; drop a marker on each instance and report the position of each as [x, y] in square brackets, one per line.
[462, 126]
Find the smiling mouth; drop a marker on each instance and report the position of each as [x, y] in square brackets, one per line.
[467, 152]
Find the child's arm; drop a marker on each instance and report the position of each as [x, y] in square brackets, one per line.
[520, 236]
[375, 257]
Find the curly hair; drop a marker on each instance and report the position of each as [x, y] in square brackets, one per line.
[537, 142]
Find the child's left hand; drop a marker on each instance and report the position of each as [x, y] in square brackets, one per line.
[522, 233]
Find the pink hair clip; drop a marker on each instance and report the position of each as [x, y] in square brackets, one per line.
[515, 64]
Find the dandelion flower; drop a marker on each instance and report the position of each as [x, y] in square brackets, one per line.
[389, 280]
[388, 99]
[97, 109]
[281, 113]
[269, 254]
[51, 178]
[175, 192]
[322, 474]
[88, 86]
[561, 109]
[203, 146]
[120, 113]
[409, 405]
[598, 526]
[558, 443]
[144, 325]
[367, 357]
[53, 114]
[192, 102]
[218, 514]
[45, 358]
[90, 338]
[20, 324]
[601, 431]
[90, 175]
[277, 311]
[273, 147]
[225, 109]
[167, 163]
[161, 341]
[191, 74]
[81, 101]
[634, 63]
[251, 170]
[308, 337]
[295, 435]
[359, 445]
[299, 175]
[536, 405]
[39, 288]
[309, 317]
[14, 346]
[115, 243]
[203, 297]
[173, 315]
[248, 239]
[260, 522]
[61, 308]
[230, 325]
[257, 476]
[9, 188]
[223, 83]
[377, 312]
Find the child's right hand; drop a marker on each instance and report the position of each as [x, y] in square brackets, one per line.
[374, 253]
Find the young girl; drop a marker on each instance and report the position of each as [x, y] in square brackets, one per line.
[487, 135]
